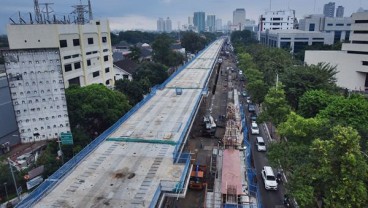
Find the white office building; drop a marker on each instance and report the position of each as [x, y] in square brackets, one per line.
[37, 92]
[294, 40]
[277, 20]
[85, 49]
[339, 27]
[352, 60]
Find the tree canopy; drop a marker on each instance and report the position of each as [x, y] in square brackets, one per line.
[275, 107]
[192, 42]
[162, 52]
[300, 79]
[94, 108]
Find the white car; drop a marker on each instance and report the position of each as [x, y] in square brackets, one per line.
[261, 145]
[240, 72]
[254, 128]
[269, 178]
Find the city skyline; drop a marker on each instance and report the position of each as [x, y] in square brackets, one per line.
[128, 15]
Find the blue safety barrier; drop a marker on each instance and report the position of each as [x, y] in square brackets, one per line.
[251, 173]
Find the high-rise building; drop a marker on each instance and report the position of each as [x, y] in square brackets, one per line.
[199, 21]
[168, 25]
[239, 18]
[38, 92]
[329, 9]
[340, 11]
[211, 23]
[160, 25]
[84, 46]
[219, 25]
[277, 20]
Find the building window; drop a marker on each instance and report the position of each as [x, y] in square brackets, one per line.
[339, 24]
[89, 62]
[96, 74]
[107, 70]
[106, 58]
[90, 41]
[329, 24]
[63, 44]
[67, 57]
[77, 65]
[76, 42]
[312, 27]
[365, 63]
[67, 67]
[361, 21]
[104, 39]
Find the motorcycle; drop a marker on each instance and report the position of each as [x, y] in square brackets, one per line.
[287, 201]
[279, 177]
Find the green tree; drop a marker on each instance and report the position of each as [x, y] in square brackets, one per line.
[347, 111]
[340, 174]
[135, 53]
[94, 108]
[192, 42]
[132, 89]
[245, 61]
[161, 48]
[162, 52]
[275, 107]
[257, 90]
[304, 130]
[49, 159]
[313, 101]
[300, 79]
[244, 37]
[151, 73]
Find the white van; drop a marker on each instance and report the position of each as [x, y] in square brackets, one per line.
[261, 145]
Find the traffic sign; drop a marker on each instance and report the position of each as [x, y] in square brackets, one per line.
[66, 138]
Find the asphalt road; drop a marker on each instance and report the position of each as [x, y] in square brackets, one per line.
[270, 199]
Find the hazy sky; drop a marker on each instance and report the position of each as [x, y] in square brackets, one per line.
[143, 14]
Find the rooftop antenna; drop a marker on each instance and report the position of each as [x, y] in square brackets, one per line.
[90, 14]
[270, 5]
[79, 11]
[37, 11]
[48, 9]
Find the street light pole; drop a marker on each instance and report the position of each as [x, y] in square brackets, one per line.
[15, 183]
[6, 192]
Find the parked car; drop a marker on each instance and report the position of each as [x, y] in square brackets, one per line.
[253, 117]
[254, 128]
[261, 145]
[244, 93]
[269, 178]
[251, 107]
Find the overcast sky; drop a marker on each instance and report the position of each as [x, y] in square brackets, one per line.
[143, 14]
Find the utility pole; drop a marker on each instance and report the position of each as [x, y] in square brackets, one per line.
[6, 192]
[15, 183]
